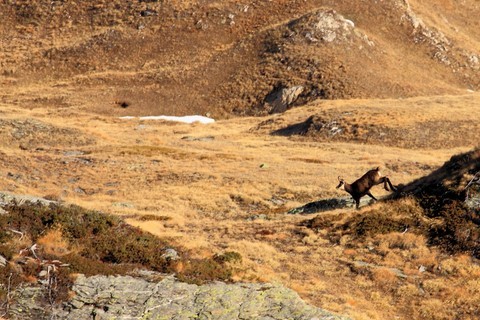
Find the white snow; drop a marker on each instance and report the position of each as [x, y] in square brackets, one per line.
[184, 119]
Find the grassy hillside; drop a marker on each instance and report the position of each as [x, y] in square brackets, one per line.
[227, 187]
[390, 84]
[224, 57]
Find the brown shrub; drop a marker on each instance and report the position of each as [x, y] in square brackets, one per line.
[458, 232]
[373, 223]
[199, 271]
[403, 241]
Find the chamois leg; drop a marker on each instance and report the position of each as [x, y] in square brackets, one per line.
[357, 202]
[386, 183]
[371, 196]
[387, 180]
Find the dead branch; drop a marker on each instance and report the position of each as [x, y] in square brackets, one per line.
[474, 180]
[6, 305]
[18, 232]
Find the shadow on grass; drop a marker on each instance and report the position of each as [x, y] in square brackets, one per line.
[324, 205]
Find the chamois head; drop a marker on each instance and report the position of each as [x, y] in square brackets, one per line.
[341, 182]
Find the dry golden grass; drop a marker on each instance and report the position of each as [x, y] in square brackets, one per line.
[384, 277]
[435, 309]
[230, 193]
[53, 243]
[208, 196]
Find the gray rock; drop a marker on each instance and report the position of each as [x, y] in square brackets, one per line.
[170, 254]
[329, 25]
[205, 138]
[73, 153]
[473, 201]
[7, 198]
[123, 205]
[261, 216]
[125, 297]
[281, 98]
[3, 261]
[473, 192]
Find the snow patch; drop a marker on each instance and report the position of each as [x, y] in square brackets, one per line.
[184, 119]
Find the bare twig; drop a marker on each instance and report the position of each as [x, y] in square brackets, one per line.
[474, 180]
[6, 305]
[32, 249]
[18, 232]
[52, 283]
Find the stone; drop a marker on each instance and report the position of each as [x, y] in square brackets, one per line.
[3, 261]
[170, 254]
[281, 98]
[127, 205]
[7, 198]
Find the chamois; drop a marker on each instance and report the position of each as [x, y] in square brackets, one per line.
[362, 186]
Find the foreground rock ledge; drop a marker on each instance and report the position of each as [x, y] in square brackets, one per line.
[125, 297]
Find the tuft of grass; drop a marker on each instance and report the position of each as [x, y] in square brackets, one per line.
[400, 240]
[434, 309]
[228, 257]
[90, 267]
[218, 267]
[199, 271]
[373, 223]
[384, 276]
[53, 243]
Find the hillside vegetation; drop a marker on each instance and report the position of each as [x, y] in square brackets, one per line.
[302, 91]
[224, 57]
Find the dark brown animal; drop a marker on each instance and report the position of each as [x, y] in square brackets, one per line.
[361, 187]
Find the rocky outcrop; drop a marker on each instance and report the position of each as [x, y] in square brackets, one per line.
[472, 190]
[280, 99]
[126, 297]
[326, 27]
[19, 199]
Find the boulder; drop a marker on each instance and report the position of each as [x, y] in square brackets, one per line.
[115, 297]
[281, 98]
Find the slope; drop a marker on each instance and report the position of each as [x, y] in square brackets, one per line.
[226, 57]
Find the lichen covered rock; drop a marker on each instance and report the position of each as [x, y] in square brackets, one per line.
[135, 298]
